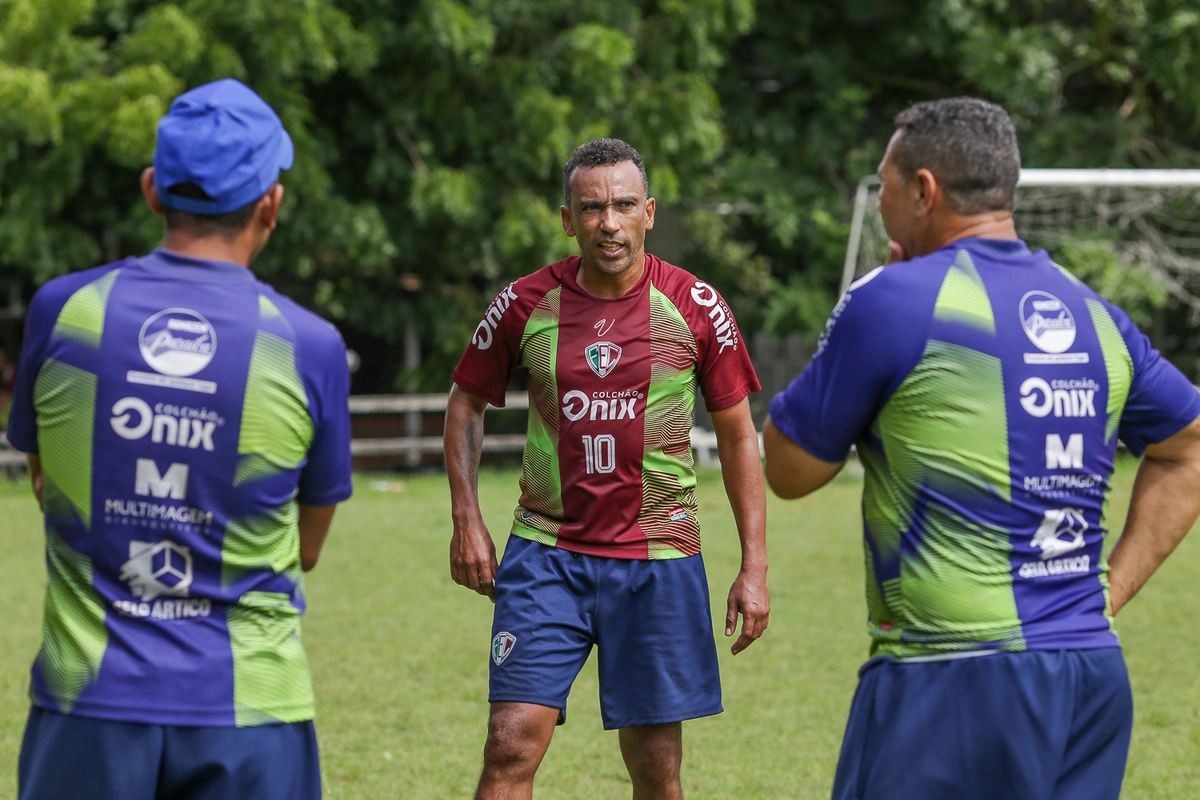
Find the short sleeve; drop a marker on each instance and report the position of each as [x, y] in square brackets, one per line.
[1161, 401]
[869, 344]
[39, 324]
[326, 476]
[494, 351]
[725, 371]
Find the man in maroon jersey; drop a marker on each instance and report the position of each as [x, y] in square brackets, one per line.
[605, 544]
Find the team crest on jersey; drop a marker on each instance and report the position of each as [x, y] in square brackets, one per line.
[602, 357]
[178, 342]
[502, 646]
[1048, 322]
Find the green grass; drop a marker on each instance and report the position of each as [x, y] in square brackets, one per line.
[400, 655]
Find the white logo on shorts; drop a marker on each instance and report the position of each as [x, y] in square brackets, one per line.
[502, 646]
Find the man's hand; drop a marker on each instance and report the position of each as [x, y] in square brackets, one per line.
[749, 597]
[473, 558]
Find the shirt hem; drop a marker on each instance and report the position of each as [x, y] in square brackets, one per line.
[341, 495]
[784, 424]
[23, 447]
[471, 387]
[1092, 642]
[182, 718]
[731, 399]
[667, 719]
[1165, 431]
[636, 551]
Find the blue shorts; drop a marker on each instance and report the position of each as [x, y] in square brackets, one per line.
[1039, 725]
[650, 621]
[65, 756]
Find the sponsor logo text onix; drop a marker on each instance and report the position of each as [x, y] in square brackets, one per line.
[182, 426]
[726, 329]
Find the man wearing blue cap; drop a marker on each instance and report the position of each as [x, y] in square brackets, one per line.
[188, 437]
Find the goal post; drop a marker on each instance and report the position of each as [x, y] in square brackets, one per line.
[1147, 218]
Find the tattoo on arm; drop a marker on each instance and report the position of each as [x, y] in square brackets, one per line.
[469, 451]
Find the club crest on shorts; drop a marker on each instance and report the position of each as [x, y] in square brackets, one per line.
[602, 357]
[502, 646]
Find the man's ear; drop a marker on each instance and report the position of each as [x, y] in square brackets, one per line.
[150, 192]
[568, 228]
[268, 207]
[650, 213]
[928, 192]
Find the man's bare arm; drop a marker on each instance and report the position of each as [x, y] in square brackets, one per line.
[791, 470]
[1164, 506]
[741, 470]
[314, 527]
[35, 478]
[472, 551]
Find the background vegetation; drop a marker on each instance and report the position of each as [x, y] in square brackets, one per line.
[431, 133]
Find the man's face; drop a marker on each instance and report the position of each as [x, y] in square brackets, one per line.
[897, 203]
[609, 215]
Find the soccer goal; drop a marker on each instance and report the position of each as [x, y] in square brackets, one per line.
[1144, 219]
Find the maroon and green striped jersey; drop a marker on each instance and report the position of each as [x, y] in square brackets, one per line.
[608, 468]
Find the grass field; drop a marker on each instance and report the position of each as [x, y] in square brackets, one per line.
[400, 654]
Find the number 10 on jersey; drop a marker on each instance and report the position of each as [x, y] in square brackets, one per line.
[600, 453]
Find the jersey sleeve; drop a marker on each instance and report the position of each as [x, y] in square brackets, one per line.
[724, 368]
[870, 343]
[1161, 401]
[495, 348]
[39, 324]
[326, 476]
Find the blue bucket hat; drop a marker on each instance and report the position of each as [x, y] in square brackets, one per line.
[226, 140]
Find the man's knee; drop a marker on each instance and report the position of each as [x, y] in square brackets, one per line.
[510, 750]
[517, 740]
[653, 755]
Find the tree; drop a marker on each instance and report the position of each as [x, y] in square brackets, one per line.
[430, 134]
[460, 134]
[84, 82]
[811, 91]
[429, 139]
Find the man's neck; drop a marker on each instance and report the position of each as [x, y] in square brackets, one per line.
[997, 225]
[209, 248]
[610, 287]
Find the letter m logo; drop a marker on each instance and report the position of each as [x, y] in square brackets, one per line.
[149, 482]
[1068, 457]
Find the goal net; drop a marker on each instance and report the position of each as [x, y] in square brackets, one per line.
[1143, 222]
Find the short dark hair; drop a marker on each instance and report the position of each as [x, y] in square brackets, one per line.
[228, 225]
[968, 144]
[598, 153]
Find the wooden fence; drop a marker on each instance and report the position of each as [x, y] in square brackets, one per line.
[378, 418]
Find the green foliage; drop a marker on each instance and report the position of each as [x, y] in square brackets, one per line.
[460, 134]
[1095, 262]
[809, 96]
[430, 134]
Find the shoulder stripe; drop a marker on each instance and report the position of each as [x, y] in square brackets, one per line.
[82, 318]
[276, 427]
[1069, 275]
[1117, 363]
[963, 297]
[65, 399]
